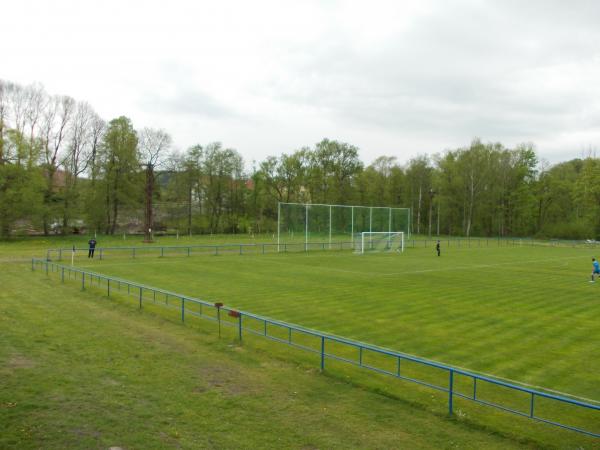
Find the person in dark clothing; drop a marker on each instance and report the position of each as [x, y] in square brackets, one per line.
[437, 248]
[92, 244]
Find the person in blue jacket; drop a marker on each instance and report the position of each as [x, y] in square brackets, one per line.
[595, 270]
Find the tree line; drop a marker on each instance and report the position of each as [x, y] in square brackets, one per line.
[64, 169]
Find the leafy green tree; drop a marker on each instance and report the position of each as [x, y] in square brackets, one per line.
[21, 187]
[119, 181]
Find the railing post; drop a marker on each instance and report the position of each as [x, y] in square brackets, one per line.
[140, 297]
[62, 275]
[531, 409]
[188, 249]
[108, 287]
[133, 252]
[219, 320]
[32, 265]
[182, 309]
[240, 326]
[162, 252]
[60, 254]
[322, 353]
[100, 252]
[240, 249]
[47, 267]
[82, 281]
[450, 391]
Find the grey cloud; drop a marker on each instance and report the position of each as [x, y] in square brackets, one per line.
[175, 91]
[460, 70]
[187, 102]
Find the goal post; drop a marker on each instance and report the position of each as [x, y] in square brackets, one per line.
[381, 241]
[324, 223]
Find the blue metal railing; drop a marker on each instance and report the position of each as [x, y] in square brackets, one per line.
[448, 379]
[194, 250]
[285, 247]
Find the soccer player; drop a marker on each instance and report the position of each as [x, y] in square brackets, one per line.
[92, 244]
[437, 248]
[596, 269]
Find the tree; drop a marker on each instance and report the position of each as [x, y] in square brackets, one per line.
[330, 171]
[77, 157]
[153, 145]
[56, 120]
[4, 106]
[118, 171]
[21, 187]
[587, 195]
[418, 176]
[221, 170]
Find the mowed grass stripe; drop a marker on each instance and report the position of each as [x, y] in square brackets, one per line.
[525, 313]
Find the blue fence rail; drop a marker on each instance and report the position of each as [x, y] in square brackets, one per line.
[560, 411]
[195, 250]
[265, 248]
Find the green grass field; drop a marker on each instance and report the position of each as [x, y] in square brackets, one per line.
[522, 313]
[527, 314]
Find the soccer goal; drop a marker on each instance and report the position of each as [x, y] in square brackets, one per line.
[380, 241]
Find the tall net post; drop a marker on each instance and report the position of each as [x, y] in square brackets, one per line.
[278, 225]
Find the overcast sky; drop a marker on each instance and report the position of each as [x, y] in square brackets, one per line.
[396, 78]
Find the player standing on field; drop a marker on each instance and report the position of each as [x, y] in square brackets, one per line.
[437, 248]
[595, 270]
[92, 244]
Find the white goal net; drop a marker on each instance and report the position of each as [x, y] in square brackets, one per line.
[380, 241]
